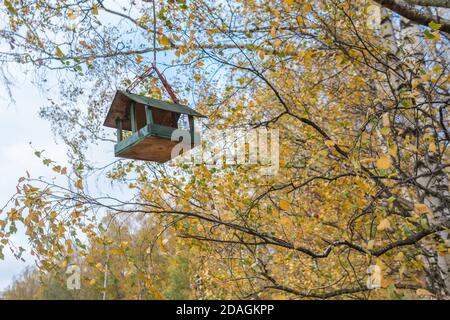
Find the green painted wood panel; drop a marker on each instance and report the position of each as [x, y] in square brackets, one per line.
[163, 105]
[148, 114]
[148, 130]
[191, 127]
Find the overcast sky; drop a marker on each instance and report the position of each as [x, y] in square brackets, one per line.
[20, 125]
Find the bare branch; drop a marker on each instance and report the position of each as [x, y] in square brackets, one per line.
[412, 13]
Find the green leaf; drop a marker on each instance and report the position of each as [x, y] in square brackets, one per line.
[428, 35]
[434, 25]
[393, 293]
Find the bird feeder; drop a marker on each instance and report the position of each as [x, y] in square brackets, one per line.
[151, 123]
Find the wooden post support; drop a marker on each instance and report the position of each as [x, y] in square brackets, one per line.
[191, 127]
[133, 116]
[148, 114]
[119, 129]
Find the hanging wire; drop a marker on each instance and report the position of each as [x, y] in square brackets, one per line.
[154, 33]
[150, 71]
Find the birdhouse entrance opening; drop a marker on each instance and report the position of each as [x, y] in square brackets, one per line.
[150, 122]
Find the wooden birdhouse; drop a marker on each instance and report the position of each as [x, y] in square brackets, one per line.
[151, 123]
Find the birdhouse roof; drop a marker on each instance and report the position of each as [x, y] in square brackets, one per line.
[122, 101]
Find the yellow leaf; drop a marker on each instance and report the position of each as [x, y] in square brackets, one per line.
[384, 225]
[261, 54]
[285, 221]
[424, 292]
[13, 214]
[273, 32]
[393, 150]
[79, 184]
[383, 162]
[71, 14]
[284, 205]
[69, 246]
[59, 53]
[279, 297]
[432, 147]
[277, 43]
[92, 282]
[53, 215]
[339, 59]
[163, 40]
[117, 252]
[400, 256]
[329, 143]
[421, 208]
[197, 77]
[206, 173]
[289, 2]
[138, 59]
[94, 10]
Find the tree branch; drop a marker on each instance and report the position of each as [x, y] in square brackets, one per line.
[431, 3]
[410, 12]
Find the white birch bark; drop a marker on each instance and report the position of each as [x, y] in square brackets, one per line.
[431, 176]
[409, 53]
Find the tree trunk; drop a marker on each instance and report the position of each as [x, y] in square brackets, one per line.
[431, 175]
[429, 168]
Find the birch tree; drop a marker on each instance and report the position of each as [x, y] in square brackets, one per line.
[363, 122]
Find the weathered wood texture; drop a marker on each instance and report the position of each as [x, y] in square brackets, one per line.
[150, 148]
[152, 123]
[163, 112]
[152, 143]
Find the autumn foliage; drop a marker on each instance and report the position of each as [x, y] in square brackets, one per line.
[363, 178]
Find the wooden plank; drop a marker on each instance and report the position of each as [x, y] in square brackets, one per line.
[119, 129]
[151, 148]
[121, 104]
[148, 114]
[150, 143]
[133, 116]
[134, 139]
[163, 105]
[191, 127]
[161, 131]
